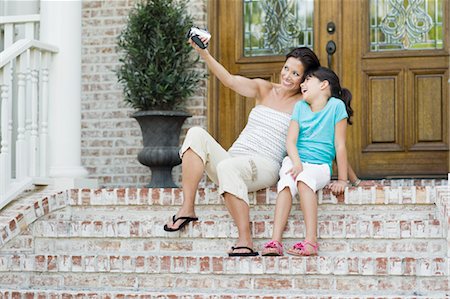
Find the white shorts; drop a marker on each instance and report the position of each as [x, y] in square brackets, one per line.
[315, 176]
[234, 175]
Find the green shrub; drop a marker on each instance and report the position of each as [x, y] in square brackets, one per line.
[157, 68]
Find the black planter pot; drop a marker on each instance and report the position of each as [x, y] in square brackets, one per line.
[161, 135]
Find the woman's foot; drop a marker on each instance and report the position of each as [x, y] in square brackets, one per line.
[305, 248]
[183, 221]
[272, 248]
[242, 251]
[180, 220]
[242, 248]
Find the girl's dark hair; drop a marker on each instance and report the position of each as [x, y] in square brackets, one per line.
[307, 57]
[323, 73]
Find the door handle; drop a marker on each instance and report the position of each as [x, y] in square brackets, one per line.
[331, 49]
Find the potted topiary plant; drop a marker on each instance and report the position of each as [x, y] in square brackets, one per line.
[158, 74]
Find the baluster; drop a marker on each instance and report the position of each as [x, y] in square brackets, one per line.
[8, 35]
[29, 30]
[34, 114]
[28, 111]
[44, 115]
[5, 155]
[21, 166]
[7, 80]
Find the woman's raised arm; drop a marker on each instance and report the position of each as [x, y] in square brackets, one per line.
[246, 87]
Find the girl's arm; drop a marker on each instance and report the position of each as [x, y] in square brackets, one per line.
[354, 180]
[244, 86]
[291, 147]
[341, 157]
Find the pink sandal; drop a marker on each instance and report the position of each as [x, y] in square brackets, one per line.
[272, 248]
[300, 249]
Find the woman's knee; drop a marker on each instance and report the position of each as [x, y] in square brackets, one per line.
[195, 132]
[224, 167]
[194, 137]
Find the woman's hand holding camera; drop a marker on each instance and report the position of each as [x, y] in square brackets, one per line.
[205, 41]
[198, 38]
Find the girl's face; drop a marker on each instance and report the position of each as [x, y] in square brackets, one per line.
[291, 74]
[312, 88]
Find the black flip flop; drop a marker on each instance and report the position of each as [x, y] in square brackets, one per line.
[183, 224]
[251, 253]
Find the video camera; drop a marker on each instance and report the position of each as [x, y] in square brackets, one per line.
[196, 33]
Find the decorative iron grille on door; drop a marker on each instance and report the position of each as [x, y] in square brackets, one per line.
[273, 26]
[406, 25]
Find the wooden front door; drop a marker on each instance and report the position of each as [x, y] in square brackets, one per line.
[392, 54]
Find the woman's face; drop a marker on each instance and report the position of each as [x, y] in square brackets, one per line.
[291, 74]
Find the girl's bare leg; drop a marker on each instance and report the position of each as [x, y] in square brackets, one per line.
[308, 203]
[282, 210]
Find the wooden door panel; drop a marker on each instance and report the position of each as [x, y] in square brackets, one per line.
[382, 112]
[430, 110]
[400, 165]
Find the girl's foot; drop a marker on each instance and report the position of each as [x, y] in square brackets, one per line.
[305, 248]
[273, 248]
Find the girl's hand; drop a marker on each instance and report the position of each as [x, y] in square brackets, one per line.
[338, 187]
[295, 171]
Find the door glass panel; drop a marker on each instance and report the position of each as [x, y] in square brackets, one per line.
[406, 25]
[272, 27]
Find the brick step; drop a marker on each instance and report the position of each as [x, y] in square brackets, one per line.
[224, 265]
[376, 242]
[221, 284]
[215, 294]
[208, 196]
[341, 227]
[219, 210]
[427, 248]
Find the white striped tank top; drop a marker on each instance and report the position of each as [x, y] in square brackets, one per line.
[265, 135]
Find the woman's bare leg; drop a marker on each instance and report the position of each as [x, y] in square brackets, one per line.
[240, 212]
[192, 169]
[282, 210]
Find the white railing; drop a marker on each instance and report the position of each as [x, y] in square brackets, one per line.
[14, 28]
[24, 86]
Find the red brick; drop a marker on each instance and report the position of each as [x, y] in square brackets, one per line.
[52, 263]
[204, 264]
[217, 264]
[165, 264]
[381, 266]
[273, 283]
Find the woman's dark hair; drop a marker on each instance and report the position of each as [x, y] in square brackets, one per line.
[307, 57]
[323, 73]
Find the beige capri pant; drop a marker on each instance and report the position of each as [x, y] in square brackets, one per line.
[235, 175]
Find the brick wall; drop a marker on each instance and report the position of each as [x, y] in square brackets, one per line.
[110, 139]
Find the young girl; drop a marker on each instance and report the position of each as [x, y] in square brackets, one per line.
[316, 135]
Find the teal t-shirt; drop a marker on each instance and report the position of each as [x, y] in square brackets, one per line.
[315, 142]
